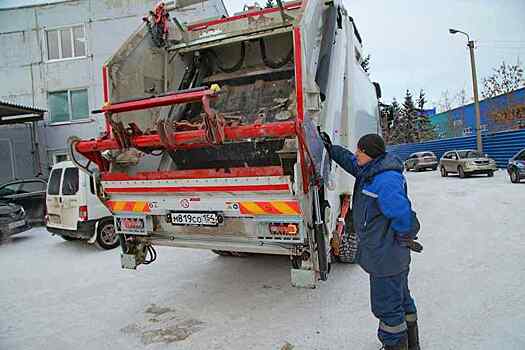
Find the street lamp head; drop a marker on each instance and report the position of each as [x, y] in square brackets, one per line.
[453, 31]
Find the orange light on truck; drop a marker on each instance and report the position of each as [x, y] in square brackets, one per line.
[282, 229]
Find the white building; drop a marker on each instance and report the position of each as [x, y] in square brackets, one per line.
[51, 57]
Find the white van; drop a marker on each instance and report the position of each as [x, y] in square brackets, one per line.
[73, 209]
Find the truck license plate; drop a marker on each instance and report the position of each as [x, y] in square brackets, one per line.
[197, 219]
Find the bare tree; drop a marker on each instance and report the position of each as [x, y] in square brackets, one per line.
[504, 79]
[461, 98]
[445, 102]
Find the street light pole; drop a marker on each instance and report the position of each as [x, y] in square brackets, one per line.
[470, 45]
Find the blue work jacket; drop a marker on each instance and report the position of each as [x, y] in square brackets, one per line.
[381, 211]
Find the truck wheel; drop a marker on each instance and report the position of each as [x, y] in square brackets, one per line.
[514, 177]
[348, 247]
[107, 238]
[443, 172]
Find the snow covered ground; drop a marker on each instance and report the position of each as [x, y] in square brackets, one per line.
[469, 285]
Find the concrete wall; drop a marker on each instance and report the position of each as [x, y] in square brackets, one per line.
[27, 76]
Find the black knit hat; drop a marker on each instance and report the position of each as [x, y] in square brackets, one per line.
[372, 144]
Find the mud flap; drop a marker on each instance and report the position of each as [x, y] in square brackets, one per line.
[321, 234]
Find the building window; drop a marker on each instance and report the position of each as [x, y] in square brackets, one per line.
[66, 43]
[69, 105]
[467, 131]
[60, 157]
[457, 123]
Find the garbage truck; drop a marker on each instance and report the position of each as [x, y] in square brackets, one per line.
[212, 136]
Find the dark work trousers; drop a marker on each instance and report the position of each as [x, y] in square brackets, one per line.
[392, 305]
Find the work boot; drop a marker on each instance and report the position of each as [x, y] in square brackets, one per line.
[413, 332]
[402, 345]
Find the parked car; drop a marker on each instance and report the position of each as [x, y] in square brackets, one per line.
[28, 193]
[73, 209]
[421, 161]
[12, 220]
[466, 163]
[516, 167]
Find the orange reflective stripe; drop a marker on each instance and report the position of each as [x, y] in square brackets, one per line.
[251, 208]
[287, 208]
[129, 206]
[270, 208]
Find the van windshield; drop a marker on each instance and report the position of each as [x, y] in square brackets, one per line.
[70, 183]
[53, 187]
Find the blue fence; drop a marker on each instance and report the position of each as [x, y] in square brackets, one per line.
[500, 146]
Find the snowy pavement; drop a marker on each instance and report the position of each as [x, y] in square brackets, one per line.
[469, 285]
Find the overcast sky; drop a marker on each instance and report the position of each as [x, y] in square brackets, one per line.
[412, 49]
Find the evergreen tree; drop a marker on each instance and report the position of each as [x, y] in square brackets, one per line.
[425, 129]
[409, 114]
[397, 126]
[269, 4]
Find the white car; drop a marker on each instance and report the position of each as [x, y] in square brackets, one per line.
[73, 209]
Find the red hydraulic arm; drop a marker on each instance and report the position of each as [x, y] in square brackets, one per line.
[214, 132]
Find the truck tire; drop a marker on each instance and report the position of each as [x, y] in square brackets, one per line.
[348, 246]
[107, 238]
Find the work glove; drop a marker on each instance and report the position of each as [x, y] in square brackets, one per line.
[326, 141]
[410, 243]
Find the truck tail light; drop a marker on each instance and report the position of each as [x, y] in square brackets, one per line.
[281, 229]
[83, 213]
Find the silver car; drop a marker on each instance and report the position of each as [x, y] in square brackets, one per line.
[466, 163]
[421, 161]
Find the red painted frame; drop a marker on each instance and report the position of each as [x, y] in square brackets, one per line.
[195, 174]
[193, 139]
[186, 189]
[198, 138]
[204, 25]
[161, 101]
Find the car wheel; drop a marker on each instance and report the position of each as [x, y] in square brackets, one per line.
[107, 238]
[514, 177]
[490, 174]
[67, 238]
[443, 172]
[461, 172]
[407, 168]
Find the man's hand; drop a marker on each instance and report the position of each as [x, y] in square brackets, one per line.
[409, 243]
[326, 141]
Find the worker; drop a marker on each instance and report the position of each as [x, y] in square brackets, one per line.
[386, 228]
